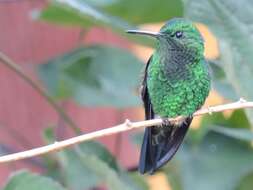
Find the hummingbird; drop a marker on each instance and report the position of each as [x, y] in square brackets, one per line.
[176, 83]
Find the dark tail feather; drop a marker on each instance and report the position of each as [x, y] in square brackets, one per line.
[146, 162]
[160, 144]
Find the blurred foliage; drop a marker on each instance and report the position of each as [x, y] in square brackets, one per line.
[106, 12]
[218, 162]
[94, 76]
[138, 12]
[218, 155]
[246, 183]
[24, 180]
[232, 24]
[81, 13]
[220, 82]
[88, 165]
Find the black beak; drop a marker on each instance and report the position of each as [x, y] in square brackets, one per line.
[147, 33]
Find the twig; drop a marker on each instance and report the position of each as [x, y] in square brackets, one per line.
[128, 125]
[14, 67]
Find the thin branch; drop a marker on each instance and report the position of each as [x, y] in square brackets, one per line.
[116, 129]
[14, 67]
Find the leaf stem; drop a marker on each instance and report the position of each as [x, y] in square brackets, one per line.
[14, 67]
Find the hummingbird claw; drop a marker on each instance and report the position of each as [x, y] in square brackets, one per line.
[186, 120]
[166, 122]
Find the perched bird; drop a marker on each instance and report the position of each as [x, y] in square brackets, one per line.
[176, 83]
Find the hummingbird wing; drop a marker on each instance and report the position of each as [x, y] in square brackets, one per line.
[146, 161]
[159, 143]
[170, 141]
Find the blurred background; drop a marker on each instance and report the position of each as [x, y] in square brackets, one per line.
[77, 51]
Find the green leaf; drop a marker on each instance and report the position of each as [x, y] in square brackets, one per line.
[79, 174]
[24, 180]
[139, 12]
[133, 181]
[95, 148]
[216, 69]
[48, 135]
[139, 180]
[219, 163]
[76, 173]
[77, 12]
[103, 172]
[90, 164]
[115, 179]
[225, 89]
[173, 174]
[94, 76]
[232, 24]
[220, 81]
[237, 120]
[246, 183]
[107, 12]
[80, 13]
[241, 134]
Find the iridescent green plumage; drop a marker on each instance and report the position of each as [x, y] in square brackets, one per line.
[180, 95]
[176, 83]
[178, 80]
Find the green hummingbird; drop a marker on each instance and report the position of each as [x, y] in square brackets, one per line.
[176, 83]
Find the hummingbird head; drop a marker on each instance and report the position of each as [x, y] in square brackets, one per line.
[177, 35]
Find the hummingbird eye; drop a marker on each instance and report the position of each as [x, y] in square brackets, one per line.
[178, 34]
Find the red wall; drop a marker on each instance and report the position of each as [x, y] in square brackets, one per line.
[22, 110]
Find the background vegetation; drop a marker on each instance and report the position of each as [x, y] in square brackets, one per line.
[217, 155]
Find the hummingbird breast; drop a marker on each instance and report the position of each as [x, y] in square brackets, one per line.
[177, 87]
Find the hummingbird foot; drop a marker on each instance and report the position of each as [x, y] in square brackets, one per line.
[186, 119]
[166, 122]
